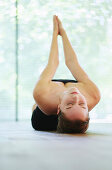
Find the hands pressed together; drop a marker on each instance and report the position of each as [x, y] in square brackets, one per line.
[57, 26]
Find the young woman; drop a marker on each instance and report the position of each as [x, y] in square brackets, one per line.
[63, 105]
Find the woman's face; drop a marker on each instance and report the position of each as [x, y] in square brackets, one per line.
[74, 104]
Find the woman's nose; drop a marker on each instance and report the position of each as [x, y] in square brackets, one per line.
[75, 98]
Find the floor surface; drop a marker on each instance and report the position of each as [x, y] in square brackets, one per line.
[22, 148]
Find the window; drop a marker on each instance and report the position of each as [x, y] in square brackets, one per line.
[25, 43]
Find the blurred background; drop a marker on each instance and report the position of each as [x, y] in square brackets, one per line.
[25, 40]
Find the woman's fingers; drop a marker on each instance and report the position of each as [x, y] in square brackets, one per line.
[60, 27]
[55, 24]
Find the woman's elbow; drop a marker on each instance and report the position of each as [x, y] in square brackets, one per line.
[36, 94]
[97, 96]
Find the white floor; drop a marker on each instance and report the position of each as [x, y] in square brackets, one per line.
[22, 148]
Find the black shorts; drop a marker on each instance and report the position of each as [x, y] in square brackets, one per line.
[40, 121]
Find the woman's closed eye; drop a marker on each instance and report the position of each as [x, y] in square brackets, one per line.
[69, 105]
[82, 104]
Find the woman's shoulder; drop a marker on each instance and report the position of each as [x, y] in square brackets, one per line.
[91, 92]
[92, 89]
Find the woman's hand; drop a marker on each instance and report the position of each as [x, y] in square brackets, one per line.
[55, 25]
[60, 27]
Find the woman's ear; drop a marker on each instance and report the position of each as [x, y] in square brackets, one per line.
[58, 109]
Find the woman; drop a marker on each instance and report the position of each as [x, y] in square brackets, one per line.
[63, 105]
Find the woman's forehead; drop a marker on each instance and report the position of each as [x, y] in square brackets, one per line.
[78, 113]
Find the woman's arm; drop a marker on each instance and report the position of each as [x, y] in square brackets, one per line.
[53, 62]
[73, 65]
[77, 71]
[72, 61]
[70, 56]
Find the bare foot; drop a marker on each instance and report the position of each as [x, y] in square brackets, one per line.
[61, 29]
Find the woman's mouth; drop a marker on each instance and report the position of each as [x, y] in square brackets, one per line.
[74, 92]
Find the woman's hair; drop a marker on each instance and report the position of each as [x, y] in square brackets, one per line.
[67, 126]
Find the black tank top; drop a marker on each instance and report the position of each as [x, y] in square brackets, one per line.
[65, 80]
